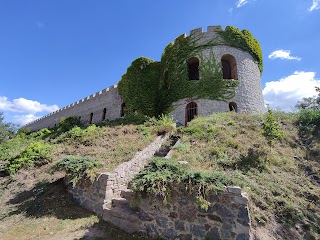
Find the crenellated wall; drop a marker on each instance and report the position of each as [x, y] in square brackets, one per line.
[248, 97]
[108, 98]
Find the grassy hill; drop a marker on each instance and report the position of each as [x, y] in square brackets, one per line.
[282, 177]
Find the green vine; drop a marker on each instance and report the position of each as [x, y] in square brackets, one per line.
[244, 40]
[150, 87]
[139, 87]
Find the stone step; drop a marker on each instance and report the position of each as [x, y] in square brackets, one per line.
[121, 202]
[124, 219]
[127, 194]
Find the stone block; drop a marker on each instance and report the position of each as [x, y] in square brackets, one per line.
[162, 221]
[198, 230]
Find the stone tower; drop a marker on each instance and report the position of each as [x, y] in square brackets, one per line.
[236, 64]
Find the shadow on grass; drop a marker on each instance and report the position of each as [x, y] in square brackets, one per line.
[103, 230]
[52, 199]
[48, 199]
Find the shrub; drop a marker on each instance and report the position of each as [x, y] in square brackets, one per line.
[36, 154]
[79, 135]
[162, 174]
[68, 123]
[41, 134]
[309, 120]
[271, 128]
[77, 168]
[162, 124]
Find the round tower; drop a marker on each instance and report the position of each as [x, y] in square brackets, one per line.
[239, 63]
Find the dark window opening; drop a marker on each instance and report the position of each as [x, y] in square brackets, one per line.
[104, 114]
[226, 69]
[229, 67]
[233, 107]
[91, 117]
[123, 107]
[193, 68]
[191, 112]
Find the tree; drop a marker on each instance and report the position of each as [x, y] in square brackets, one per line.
[310, 102]
[7, 130]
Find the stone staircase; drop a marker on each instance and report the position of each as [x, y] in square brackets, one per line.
[118, 210]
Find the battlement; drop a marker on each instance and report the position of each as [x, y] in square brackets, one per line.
[203, 37]
[88, 98]
[210, 29]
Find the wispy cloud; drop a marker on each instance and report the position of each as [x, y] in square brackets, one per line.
[283, 54]
[25, 106]
[287, 91]
[315, 5]
[241, 3]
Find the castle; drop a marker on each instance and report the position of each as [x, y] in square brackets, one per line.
[205, 72]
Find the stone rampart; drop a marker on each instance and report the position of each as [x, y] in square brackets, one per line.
[94, 104]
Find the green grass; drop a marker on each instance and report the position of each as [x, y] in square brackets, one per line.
[282, 178]
[280, 187]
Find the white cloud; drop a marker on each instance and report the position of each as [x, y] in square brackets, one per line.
[283, 54]
[23, 119]
[25, 106]
[287, 91]
[315, 5]
[241, 3]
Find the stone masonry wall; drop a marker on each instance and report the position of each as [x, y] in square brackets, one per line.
[226, 218]
[249, 98]
[108, 98]
[98, 195]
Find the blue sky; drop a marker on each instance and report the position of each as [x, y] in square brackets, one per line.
[55, 52]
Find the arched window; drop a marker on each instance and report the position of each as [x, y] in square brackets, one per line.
[229, 67]
[104, 114]
[233, 107]
[193, 68]
[91, 117]
[123, 106]
[191, 112]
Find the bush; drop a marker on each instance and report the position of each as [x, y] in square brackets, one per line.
[271, 128]
[163, 174]
[41, 134]
[68, 123]
[36, 154]
[309, 120]
[162, 124]
[77, 168]
[79, 135]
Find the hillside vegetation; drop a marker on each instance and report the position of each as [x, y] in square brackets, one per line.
[276, 161]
